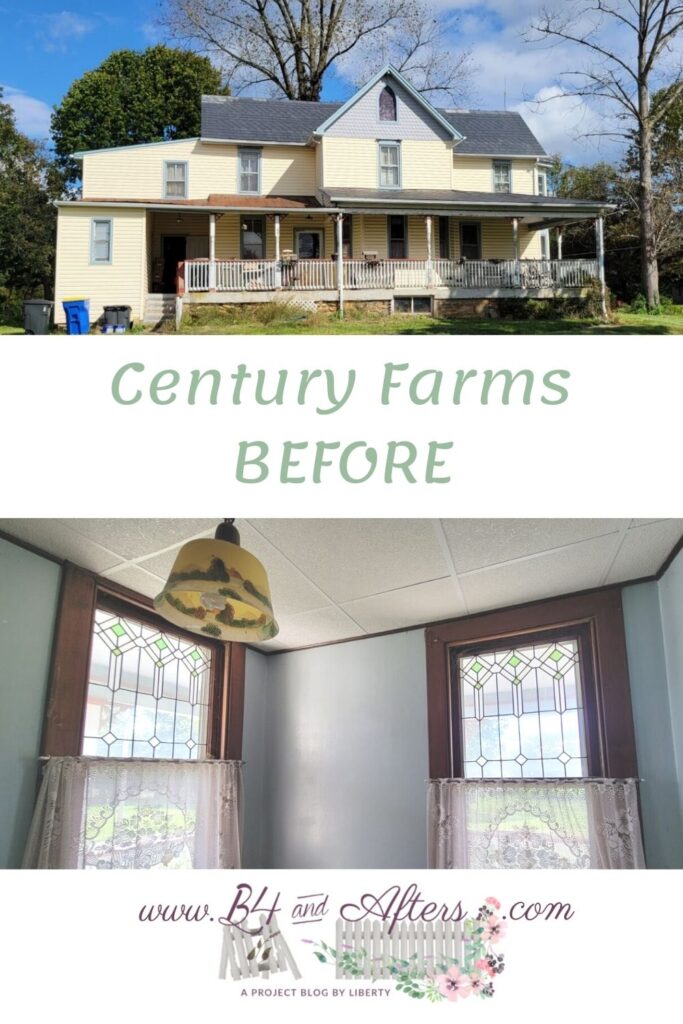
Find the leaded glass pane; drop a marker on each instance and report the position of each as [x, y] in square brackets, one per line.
[502, 176]
[521, 710]
[148, 692]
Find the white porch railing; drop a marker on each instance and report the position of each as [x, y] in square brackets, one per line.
[390, 275]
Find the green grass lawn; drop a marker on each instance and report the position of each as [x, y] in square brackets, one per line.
[208, 320]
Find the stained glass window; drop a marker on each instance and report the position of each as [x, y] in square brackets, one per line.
[521, 711]
[148, 692]
[387, 104]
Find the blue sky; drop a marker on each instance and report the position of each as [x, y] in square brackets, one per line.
[51, 43]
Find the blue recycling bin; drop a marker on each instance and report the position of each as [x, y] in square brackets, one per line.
[77, 316]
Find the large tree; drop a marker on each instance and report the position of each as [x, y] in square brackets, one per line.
[28, 184]
[287, 46]
[133, 96]
[629, 46]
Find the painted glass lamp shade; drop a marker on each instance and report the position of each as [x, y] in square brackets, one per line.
[218, 589]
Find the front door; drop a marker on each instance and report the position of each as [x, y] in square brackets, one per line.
[173, 252]
[309, 244]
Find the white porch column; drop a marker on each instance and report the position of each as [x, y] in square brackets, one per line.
[560, 234]
[600, 247]
[278, 265]
[340, 262]
[212, 252]
[428, 226]
[515, 250]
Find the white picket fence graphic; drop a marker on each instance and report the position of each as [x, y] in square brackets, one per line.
[256, 956]
[422, 944]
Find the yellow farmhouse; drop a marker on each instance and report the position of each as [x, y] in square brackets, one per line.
[383, 199]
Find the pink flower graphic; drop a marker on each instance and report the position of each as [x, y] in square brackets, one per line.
[482, 965]
[494, 929]
[477, 983]
[454, 984]
[493, 902]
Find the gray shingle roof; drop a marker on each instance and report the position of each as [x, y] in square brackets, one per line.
[454, 197]
[491, 132]
[247, 120]
[494, 133]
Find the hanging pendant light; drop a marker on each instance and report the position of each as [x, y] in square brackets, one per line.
[218, 589]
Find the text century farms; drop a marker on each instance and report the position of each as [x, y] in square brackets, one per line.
[326, 392]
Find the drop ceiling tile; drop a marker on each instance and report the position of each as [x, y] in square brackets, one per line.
[645, 549]
[291, 592]
[410, 606]
[353, 558]
[57, 538]
[134, 538]
[316, 627]
[475, 543]
[136, 579]
[559, 572]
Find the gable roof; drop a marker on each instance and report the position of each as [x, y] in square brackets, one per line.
[390, 72]
[293, 122]
[494, 132]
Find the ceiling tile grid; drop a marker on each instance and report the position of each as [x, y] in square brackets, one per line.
[336, 579]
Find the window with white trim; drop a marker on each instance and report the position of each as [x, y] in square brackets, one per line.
[502, 176]
[100, 240]
[175, 179]
[389, 165]
[249, 174]
[542, 182]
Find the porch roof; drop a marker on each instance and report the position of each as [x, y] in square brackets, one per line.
[215, 200]
[509, 202]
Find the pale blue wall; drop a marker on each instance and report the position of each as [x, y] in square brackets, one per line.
[254, 753]
[346, 755]
[29, 591]
[651, 699]
[671, 604]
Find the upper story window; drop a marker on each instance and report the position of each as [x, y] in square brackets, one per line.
[249, 171]
[502, 176]
[100, 240]
[542, 177]
[389, 165]
[175, 179]
[387, 105]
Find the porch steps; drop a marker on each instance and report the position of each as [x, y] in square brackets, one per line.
[158, 308]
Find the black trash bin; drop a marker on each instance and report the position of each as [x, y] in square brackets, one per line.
[37, 315]
[117, 316]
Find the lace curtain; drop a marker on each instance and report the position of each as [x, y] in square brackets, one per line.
[508, 824]
[110, 813]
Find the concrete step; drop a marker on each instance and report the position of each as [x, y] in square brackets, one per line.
[159, 307]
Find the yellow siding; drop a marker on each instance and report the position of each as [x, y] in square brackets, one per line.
[496, 240]
[374, 235]
[138, 172]
[123, 282]
[354, 163]
[529, 244]
[475, 174]
[425, 164]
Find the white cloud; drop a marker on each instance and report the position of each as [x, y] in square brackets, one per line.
[32, 115]
[569, 126]
[57, 31]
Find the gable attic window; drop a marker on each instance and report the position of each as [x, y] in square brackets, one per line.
[502, 176]
[249, 171]
[126, 684]
[387, 105]
[175, 179]
[389, 165]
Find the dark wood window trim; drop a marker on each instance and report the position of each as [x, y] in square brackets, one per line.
[597, 619]
[81, 593]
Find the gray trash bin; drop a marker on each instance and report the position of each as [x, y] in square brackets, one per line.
[117, 316]
[37, 315]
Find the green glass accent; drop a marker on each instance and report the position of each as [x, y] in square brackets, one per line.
[557, 655]
[478, 686]
[160, 664]
[193, 673]
[116, 652]
[516, 682]
[118, 630]
[195, 655]
[477, 667]
[558, 676]
[514, 661]
[161, 644]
